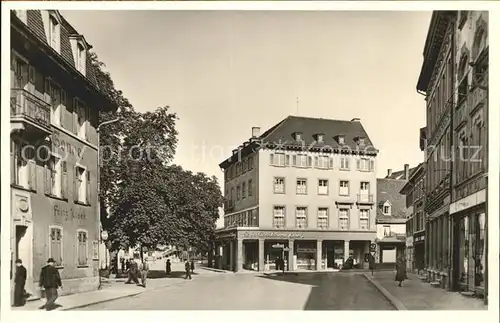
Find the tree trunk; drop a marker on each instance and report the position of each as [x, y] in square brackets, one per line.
[142, 254]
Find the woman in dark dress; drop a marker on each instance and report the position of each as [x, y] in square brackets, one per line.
[19, 283]
[400, 270]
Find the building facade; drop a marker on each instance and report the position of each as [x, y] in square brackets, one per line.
[391, 216]
[304, 190]
[436, 82]
[468, 209]
[55, 101]
[415, 220]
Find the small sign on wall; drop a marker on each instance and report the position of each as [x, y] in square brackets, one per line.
[95, 250]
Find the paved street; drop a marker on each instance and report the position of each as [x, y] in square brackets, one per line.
[309, 291]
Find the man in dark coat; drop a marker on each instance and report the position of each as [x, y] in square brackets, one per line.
[19, 283]
[50, 281]
[187, 267]
[169, 267]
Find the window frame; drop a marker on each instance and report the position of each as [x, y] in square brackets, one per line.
[303, 217]
[327, 217]
[283, 216]
[362, 217]
[348, 187]
[327, 186]
[347, 210]
[297, 186]
[61, 229]
[78, 265]
[275, 184]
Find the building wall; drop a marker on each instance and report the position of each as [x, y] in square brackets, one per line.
[399, 229]
[468, 44]
[238, 179]
[268, 199]
[49, 211]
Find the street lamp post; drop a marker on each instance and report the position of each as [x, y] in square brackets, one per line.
[98, 204]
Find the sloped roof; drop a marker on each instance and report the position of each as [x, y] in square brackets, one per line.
[35, 25]
[282, 135]
[400, 174]
[388, 190]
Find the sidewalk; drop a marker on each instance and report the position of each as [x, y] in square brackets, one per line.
[112, 290]
[417, 295]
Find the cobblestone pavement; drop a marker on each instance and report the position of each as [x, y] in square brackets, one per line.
[417, 295]
[308, 291]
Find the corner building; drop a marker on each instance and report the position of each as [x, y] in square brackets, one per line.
[54, 107]
[306, 184]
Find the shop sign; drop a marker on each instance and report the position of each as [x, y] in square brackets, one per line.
[273, 234]
[468, 202]
[68, 214]
[278, 246]
[308, 250]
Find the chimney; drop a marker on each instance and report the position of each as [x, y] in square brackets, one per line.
[407, 172]
[355, 120]
[255, 132]
[389, 172]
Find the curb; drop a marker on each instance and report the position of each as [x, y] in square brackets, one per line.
[119, 297]
[391, 298]
[216, 270]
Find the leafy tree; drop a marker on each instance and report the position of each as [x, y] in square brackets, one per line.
[145, 201]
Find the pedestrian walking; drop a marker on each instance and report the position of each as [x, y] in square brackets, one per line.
[50, 281]
[371, 263]
[282, 264]
[169, 267]
[133, 273]
[192, 266]
[400, 271]
[19, 283]
[144, 270]
[187, 267]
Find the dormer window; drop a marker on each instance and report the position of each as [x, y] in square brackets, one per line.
[54, 33]
[298, 136]
[341, 139]
[361, 141]
[319, 137]
[80, 49]
[386, 208]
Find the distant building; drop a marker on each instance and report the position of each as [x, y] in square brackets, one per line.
[305, 184]
[391, 216]
[54, 106]
[415, 219]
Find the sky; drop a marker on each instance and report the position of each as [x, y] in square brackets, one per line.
[224, 72]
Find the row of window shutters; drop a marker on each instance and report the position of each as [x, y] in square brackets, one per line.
[56, 250]
[49, 176]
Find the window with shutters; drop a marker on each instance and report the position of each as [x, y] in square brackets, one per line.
[238, 193]
[53, 176]
[23, 165]
[250, 163]
[365, 164]
[82, 117]
[344, 163]
[82, 247]
[344, 188]
[279, 217]
[344, 219]
[323, 187]
[322, 162]
[279, 185]
[82, 185]
[300, 160]
[322, 218]
[56, 244]
[301, 217]
[301, 186]
[364, 219]
[20, 68]
[243, 190]
[56, 101]
[278, 159]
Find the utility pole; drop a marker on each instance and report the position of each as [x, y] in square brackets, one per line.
[98, 204]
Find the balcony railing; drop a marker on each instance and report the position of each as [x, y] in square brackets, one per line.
[365, 198]
[25, 104]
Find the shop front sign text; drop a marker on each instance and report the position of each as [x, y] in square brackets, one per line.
[271, 235]
[68, 214]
